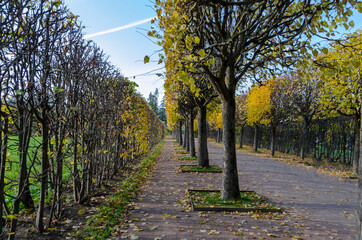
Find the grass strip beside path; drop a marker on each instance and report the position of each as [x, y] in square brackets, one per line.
[182, 152]
[195, 168]
[186, 158]
[212, 199]
[110, 216]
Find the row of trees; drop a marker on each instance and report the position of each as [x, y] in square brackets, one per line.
[159, 109]
[328, 88]
[69, 119]
[221, 44]
[224, 43]
[288, 113]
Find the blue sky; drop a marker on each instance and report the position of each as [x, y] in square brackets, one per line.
[126, 48]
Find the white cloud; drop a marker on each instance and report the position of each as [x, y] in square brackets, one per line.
[118, 28]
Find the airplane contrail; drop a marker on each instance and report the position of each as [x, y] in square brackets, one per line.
[118, 28]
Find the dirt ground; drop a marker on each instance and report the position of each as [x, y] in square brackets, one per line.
[74, 216]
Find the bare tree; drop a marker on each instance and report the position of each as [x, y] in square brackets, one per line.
[55, 84]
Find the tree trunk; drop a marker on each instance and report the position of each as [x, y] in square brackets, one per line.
[25, 196]
[304, 137]
[186, 137]
[185, 134]
[76, 181]
[89, 179]
[230, 182]
[176, 134]
[256, 137]
[356, 151]
[4, 147]
[59, 174]
[117, 159]
[301, 153]
[44, 173]
[203, 154]
[180, 133]
[23, 184]
[272, 143]
[219, 137]
[192, 135]
[57, 204]
[359, 217]
[82, 172]
[241, 137]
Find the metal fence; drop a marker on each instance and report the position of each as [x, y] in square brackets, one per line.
[330, 139]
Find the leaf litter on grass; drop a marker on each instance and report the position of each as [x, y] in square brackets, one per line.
[213, 199]
[195, 168]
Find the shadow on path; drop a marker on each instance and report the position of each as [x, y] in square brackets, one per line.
[317, 206]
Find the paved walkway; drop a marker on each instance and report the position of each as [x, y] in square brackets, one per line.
[317, 206]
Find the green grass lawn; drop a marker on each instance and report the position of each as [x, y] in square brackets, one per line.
[187, 158]
[195, 168]
[182, 152]
[12, 169]
[212, 199]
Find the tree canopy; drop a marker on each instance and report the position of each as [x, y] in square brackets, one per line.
[231, 40]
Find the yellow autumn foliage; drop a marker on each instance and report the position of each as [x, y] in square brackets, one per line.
[258, 104]
[214, 116]
[341, 76]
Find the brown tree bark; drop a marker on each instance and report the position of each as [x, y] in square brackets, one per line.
[180, 133]
[186, 137]
[241, 137]
[272, 142]
[23, 185]
[3, 147]
[203, 154]
[356, 152]
[59, 175]
[191, 134]
[26, 122]
[230, 182]
[256, 138]
[359, 217]
[307, 122]
[219, 136]
[39, 223]
[76, 180]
